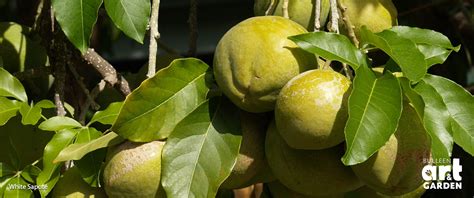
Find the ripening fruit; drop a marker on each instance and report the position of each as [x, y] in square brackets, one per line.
[251, 158]
[134, 170]
[300, 11]
[255, 59]
[311, 110]
[71, 185]
[396, 168]
[309, 172]
[377, 15]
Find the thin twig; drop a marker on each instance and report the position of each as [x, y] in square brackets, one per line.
[317, 15]
[193, 29]
[107, 71]
[80, 81]
[154, 36]
[285, 9]
[270, 7]
[348, 24]
[326, 65]
[347, 71]
[93, 94]
[38, 13]
[60, 80]
[333, 26]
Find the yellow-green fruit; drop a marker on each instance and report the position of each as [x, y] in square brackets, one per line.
[279, 190]
[309, 172]
[396, 168]
[134, 170]
[71, 185]
[311, 110]
[251, 158]
[377, 15]
[300, 11]
[255, 59]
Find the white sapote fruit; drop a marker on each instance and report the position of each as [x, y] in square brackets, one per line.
[377, 15]
[309, 172]
[255, 59]
[311, 110]
[300, 11]
[396, 168]
[71, 185]
[251, 158]
[134, 170]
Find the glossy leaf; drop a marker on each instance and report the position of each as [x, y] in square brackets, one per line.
[17, 188]
[30, 114]
[89, 166]
[107, 116]
[424, 36]
[130, 16]
[59, 141]
[200, 153]
[403, 51]
[3, 184]
[460, 108]
[48, 187]
[58, 123]
[436, 121]
[434, 54]
[30, 172]
[11, 86]
[8, 109]
[17, 50]
[78, 150]
[375, 106]
[77, 19]
[331, 46]
[152, 110]
[6, 170]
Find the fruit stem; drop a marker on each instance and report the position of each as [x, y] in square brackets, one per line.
[270, 8]
[333, 26]
[348, 24]
[317, 15]
[154, 36]
[285, 9]
[327, 65]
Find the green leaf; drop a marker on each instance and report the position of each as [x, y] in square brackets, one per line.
[77, 151]
[331, 46]
[30, 172]
[375, 106]
[3, 184]
[424, 36]
[152, 110]
[17, 50]
[77, 18]
[403, 51]
[107, 116]
[59, 141]
[11, 86]
[414, 98]
[17, 187]
[434, 54]
[460, 109]
[89, 166]
[45, 189]
[436, 121]
[30, 114]
[6, 170]
[58, 123]
[8, 109]
[130, 16]
[200, 153]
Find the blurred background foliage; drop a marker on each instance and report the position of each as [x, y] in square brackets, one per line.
[454, 18]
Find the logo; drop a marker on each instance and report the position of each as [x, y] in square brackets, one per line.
[443, 176]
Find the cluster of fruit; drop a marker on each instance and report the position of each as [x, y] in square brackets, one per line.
[293, 115]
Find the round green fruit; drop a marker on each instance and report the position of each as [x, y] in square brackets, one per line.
[311, 110]
[300, 11]
[396, 168]
[134, 170]
[309, 172]
[255, 59]
[377, 15]
[251, 158]
[71, 185]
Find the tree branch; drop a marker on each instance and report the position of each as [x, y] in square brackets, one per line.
[107, 71]
[270, 7]
[154, 36]
[333, 25]
[193, 28]
[317, 15]
[285, 9]
[348, 24]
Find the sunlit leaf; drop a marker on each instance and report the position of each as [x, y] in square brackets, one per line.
[130, 16]
[11, 86]
[8, 109]
[107, 116]
[77, 151]
[58, 123]
[89, 166]
[17, 188]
